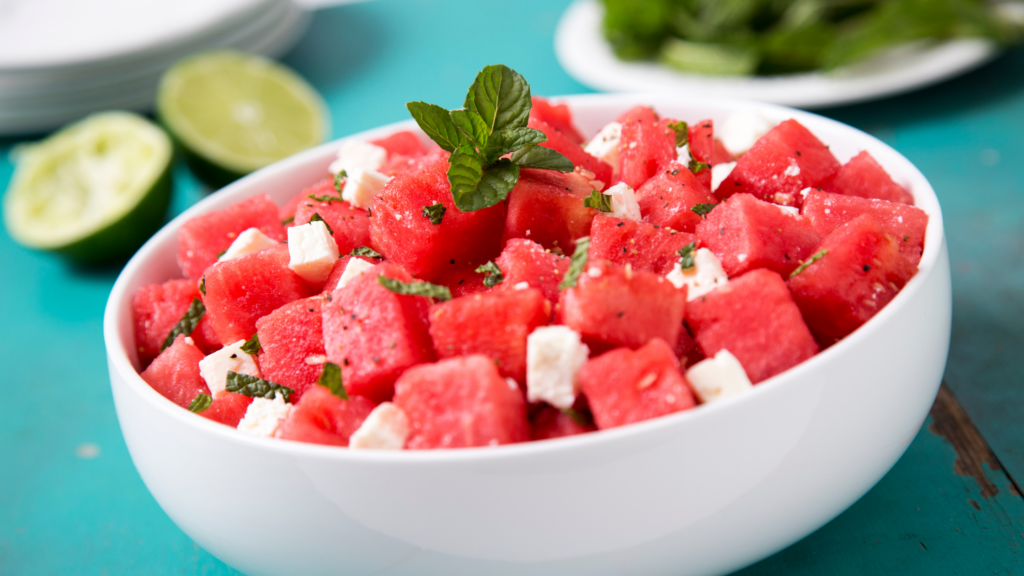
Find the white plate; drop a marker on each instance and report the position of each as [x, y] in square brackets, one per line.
[587, 57]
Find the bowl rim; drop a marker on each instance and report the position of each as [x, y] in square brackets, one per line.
[119, 360]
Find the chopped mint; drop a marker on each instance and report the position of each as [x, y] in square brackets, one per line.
[317, 218]
[415, 288]
[330, 378]
[252, 345]
[686, 256]
[365, 251]
[696, 166]
[256, 387]
[580, 417]
[187, 323]
[598, 201]
[200, 402]
[202, 285]
[337, 180]
[579, 260]
[287, 220]
[434, 212]
[682, 131]
[803, 265]
[493, 274]
[323, 198]
[703, 210]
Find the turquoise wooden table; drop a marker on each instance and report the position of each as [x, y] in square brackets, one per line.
[72, 503]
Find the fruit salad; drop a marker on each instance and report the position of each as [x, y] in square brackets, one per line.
[501, 277]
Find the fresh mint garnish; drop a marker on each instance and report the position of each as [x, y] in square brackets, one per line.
[598, 201]
[365, 251]
[579, 260]
[702, 210]
[686, 256]
[682, 131]
[581, 418]
[287, 220]
[323, 198]
[252, 345]
[200, 402]
[187, 323]
[256, 387]
[434, 212]
[806, 263]
[491, 124]
[317, 218]
[696, 166]
[330, 378]
[493, 275]
[202, 285]
[415, 288]
[337, 180]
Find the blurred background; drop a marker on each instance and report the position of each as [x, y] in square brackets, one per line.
[942, 81]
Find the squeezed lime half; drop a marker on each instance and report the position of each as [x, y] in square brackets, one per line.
[233, 113]
[94, 191]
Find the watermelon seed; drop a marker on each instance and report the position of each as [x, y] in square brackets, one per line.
[345, 361]
[621, 224]
[866, 267]
[376, 360]
[234, 356]
[621, 314]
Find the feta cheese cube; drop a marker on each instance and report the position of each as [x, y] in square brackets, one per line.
[263, 416]
[358, 155]
[215, 367]
[719, 377]
[788, 210]
[386, 428]
[742, 129]
[554, 356]
[683, 154]
[312, 251]
[252, 240]
[706, 275]
[605, 145]
[719, 172]
[353, 268]
[361, 186]
[624, 204]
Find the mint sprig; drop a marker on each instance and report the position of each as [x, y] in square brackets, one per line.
[256, 387]
[188, 321]
[491, 124]
[415, 288]
[330, 378]
[579, 260]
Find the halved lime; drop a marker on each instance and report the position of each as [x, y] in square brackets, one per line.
[94, 191]
[233, 113]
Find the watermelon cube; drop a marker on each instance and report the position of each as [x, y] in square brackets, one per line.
[401, 232]
[782, 163]
[579, 157]
[229, 409]
[861, 272]
[557, 116]
[459, 403]
[203, 238]
[401, 143]
[457, 327]
[643, 246]
[719, 155]
[827, 212]
[754, 318]
[550, 422]
[334, 278]
[320, 417]
[646, 146]
[242, 290]
[375, 334]
[175, 373]
[746, 233]
[862, 176]
[292, 345]
[524, 260]
[668, 197]
[463, 281]
[157, 308]
[547, 207]
[701, 142]
[614, 306]
[350, 226]
[625, 386]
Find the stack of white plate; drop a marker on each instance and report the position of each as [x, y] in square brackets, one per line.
[63, 59]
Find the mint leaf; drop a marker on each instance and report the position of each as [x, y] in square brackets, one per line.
[501, 97]
[330, 378]
[515, 138]
[598, 201]
[581, 418]
[323, 198]
[200, 402]
[495, 184]
[188, 321]
[287, 220]
[702, 210]
[465, 169]
[493, 275]
[579, 260]
[682, 132]
[472, 125]
[696, 166]
[365, 251]
[317, 218]
[415, 288]
[686, 256]
[202, 285]
[437, 123]
[435, 212]
[256, 387]
[252, 345]
[337, 182]
[535, 156]
[806, 263]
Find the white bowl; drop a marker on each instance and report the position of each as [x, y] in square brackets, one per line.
[706, 491]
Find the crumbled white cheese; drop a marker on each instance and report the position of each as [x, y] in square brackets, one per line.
[706, 274]
[788, 210]
[805, 192]
[312, 251]
[742, 129]
[793, 170]
[386, 428]
[605, 145]
[355, 267]
[719, 377]
[215, 367]
[263, 416]
[522, 285]
[358, 155]
[683, 154]
[252, 240]
[361, 186]
[719, 172]
[594, 272]
[554, 356]
[624, 204]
